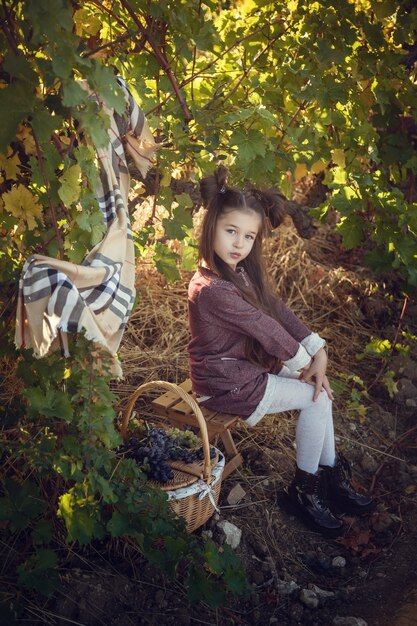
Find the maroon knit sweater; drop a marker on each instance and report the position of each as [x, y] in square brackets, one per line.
[220, 320]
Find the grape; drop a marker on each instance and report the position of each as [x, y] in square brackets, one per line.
[182, 454]
[153, 448]
[185, 438]
[200, 453]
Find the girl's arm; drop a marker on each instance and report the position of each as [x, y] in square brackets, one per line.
[312, 342]
[223, 305]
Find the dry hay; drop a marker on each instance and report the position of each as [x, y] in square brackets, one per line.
[303, 274]
[154, 346]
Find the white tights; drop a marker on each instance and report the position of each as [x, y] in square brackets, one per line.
[314, 436]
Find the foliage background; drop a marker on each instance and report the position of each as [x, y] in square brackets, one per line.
[277, 91]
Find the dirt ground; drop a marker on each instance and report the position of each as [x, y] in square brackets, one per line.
[282, 558]
[298, 577]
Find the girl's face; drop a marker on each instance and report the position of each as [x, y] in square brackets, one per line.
[235, 235]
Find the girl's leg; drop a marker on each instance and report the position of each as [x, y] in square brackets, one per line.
[315, 446]
[328, 453]
[314, 435]
[315, 442]
[314, 432]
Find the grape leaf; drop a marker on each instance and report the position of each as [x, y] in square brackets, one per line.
[21, 203]
[86, 22]
[166, 262]
[352, 232]
[10, 165]
[104, 82]
[39, 572]
[181, 219]
[52, 403]
[70, 188]
[24, 134]
[119, 524]
[19, 66]
[249, 144]
[21, 504]
[17, 101]
[43, 124]
[43, 532]
[79, 520]
[73, 93]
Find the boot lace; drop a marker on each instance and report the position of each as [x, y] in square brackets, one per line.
[320, 489]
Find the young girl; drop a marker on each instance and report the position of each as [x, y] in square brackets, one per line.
[250, 355]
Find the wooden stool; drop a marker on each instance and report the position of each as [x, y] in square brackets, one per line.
[218, 424]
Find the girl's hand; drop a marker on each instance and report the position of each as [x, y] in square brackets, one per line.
[316, 374]
[327, 388]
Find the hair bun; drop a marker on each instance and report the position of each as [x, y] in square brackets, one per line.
[221, 175]
[212, 185]
[273, 202]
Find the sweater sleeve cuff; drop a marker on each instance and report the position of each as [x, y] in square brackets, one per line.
[313, 343]
[300, 360]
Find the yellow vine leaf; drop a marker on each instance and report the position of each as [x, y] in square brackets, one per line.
[65, 139]
[338, 157]
[318, 166]
[25, 135]
[86, 22]
[300, 171]
[10, 164]
[21, 203]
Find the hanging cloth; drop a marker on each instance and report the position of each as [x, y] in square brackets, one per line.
[96, 297]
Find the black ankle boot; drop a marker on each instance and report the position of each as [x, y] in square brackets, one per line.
[307, 493]
[340, 491]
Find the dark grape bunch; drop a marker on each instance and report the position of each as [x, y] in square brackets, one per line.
[154, 447]
[200, 453]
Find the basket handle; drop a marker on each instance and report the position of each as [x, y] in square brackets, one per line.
[191, 403]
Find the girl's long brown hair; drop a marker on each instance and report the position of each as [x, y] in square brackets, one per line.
[219, 198]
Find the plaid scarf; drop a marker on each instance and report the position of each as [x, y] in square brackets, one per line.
[58, 297]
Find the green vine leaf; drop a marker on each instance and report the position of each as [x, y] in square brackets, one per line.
[70, 187]
[50, 403]
[166, 262]
[40, 572]
[17, 101]
[21, 504]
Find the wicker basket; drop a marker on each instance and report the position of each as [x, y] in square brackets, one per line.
[194, 491]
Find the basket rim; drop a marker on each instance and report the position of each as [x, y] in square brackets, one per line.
[194, 488]
[192, 403]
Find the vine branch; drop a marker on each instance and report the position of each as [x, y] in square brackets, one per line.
[161, 58]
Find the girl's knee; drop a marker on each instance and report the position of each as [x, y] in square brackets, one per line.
[323, 401]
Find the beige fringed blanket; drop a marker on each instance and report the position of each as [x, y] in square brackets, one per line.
[57, 297]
